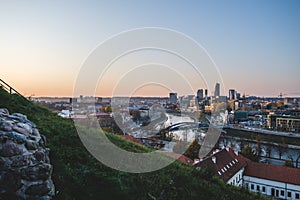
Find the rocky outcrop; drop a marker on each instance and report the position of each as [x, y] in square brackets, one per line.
[25, 169]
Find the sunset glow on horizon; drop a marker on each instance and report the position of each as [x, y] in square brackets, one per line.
[254, 44]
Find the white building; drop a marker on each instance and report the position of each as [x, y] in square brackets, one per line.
[276, 181]
[228, 165]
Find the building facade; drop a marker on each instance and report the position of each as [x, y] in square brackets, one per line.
[232, 94]
[173, 98]
[274, 181]
[284, 123]
[217, 90]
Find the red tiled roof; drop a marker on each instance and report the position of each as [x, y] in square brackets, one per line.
[227, 163]
[181, 158]
[272, 172]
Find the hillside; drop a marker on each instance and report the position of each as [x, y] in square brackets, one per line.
[77, 175]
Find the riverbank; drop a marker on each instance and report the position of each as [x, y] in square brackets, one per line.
[248, 134]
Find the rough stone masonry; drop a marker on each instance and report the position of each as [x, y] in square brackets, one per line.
[25, 169]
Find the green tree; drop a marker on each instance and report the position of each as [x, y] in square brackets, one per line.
[288, 163]
[250, 153]
[193, 150]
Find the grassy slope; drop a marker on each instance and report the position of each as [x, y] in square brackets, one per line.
[77, 175]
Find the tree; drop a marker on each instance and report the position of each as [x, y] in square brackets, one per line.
[189, 150]
[297, 159]
[193, 150]
[250, 153]
[288, 163]
[258, 146]
[268, 151]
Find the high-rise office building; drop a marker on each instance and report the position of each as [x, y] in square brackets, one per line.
[200, 94]
[173, 97]
[232, 94]
[217, 90]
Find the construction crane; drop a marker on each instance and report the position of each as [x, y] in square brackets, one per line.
[280, 95]
[293, 93]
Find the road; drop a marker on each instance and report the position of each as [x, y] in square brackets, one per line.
[264, 131]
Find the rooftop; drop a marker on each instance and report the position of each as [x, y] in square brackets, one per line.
[272, 172]
[225, 163]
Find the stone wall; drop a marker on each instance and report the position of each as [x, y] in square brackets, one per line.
[25, 169]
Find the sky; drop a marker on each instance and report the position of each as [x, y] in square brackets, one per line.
[254, 44]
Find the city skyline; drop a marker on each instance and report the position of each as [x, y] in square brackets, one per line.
[254, 44]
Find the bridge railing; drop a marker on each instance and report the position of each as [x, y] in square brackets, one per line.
[8, 88]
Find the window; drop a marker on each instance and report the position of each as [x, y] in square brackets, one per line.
[277, 193]
[281, 192]
[289, 194]
[297, 196]
[273, 192]
[257, 187]
[263, 188]
[252, 187]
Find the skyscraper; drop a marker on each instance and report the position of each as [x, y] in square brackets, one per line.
[232, 94]
[200, 94]
[173, 97]
[217, 90]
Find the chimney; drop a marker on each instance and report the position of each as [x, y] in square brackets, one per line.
[214, 159]
[227, 149]
[236, 152]
[196, 161]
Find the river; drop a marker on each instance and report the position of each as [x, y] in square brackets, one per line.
[270, 152]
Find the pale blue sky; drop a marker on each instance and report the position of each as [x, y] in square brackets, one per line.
[255, 44]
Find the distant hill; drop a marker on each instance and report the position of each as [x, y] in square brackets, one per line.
[77, 175]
